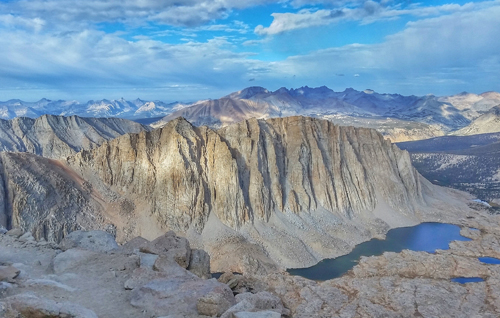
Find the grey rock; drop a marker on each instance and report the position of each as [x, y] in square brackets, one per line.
[26, 237]
[199, 264]
[8, 273]
[98, 241]
[29, 305]
[233, 283]
[15, 232]
[258, 314]
[4, 289]
[147, 260]
[226, 277]
[176, 295]
[135, 244]
[172, 246]
[49, 284]
[45, 198]
[73, 257]
[215, 303]
[142, 276]
[261, 301]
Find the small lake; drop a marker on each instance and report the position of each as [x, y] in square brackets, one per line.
[426, 237]
[465, 280]
[489, 260]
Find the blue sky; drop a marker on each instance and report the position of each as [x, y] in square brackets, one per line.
[194, 49]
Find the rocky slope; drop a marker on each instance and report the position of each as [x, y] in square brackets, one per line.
[58, 137]
[472, 105]
[46, 197]
[489, 122]
[88, 275]
[257, 195]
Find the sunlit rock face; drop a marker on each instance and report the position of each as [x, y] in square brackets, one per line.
[250, 170]
[258, 194]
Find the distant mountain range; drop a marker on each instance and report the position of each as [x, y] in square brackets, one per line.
[398, 117]
[122, 108]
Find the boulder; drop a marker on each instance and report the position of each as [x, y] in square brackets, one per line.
[241, 284]
[8, 273]
[15, 232]
[147, 260]
[258, 314]
[170, 245]
[71, 258]
[29, 305]
[141, 276]
[214, 304]
[49, 284]
[135, 244]
[200, 264]
[98, 241]
[177, 295]
[4, 289]
[26, 237]
[261, 301]
[226, 277]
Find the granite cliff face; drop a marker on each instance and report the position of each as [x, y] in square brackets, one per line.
[43, 195]
[58, 137]
[259, 194]
[250, 170]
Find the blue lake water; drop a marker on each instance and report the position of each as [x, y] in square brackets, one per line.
[489, 260]
[426, 237]
[465, 280]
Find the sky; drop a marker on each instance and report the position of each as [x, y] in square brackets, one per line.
[187, 50]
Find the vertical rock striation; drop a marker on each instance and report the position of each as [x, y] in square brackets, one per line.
[248, 171]
[294, 189]
[58, 136]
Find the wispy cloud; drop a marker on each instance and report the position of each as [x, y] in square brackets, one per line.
[363, 11]
[189, 13]
[59, 45]
[454, 50]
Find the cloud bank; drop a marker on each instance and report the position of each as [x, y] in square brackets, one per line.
[58, 49]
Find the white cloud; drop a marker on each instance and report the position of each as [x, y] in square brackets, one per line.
[11, 21]
[456, 51]
[363, 11]
[172, 12]
[93, 60]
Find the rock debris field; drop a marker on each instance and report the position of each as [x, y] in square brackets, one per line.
[89, 275]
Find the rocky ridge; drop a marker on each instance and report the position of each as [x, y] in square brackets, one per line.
[58, 137]
[486, 123]
[400, 118]
[258, 195]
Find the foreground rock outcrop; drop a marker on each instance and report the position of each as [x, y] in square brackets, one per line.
[88, 282]
[257, 195]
